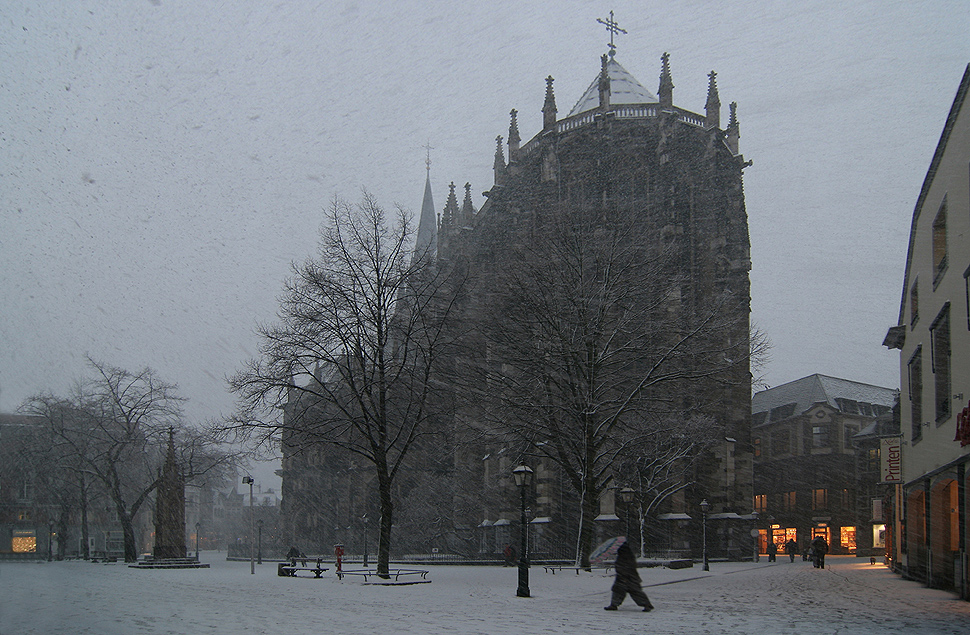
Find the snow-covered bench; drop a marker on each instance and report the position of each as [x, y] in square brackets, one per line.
[289, 569]
[411, 576]
[553, 568]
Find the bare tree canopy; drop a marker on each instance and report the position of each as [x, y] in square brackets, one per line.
[603, 348]
[113, 429]
[361, 332]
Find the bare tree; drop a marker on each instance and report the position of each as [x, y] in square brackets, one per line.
[350, 363]
[113, 429]
[599, 339]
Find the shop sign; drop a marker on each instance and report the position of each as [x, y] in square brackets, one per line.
[890, 460]
[963, 427]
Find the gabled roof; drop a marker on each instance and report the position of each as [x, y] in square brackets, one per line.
[624, 90]
[797, 397]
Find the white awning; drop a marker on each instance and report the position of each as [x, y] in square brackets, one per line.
[606, 517]
[486, 523]
[677, 516]
[724, 516]
[541, 519]
[501, 522]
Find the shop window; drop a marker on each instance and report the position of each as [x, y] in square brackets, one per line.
[872, 460]
[820, 499]
[847, 539]
[24, 541]
[940, 337]
[915, 367]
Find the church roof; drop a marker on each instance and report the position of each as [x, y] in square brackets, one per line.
[425, 242]
[799, 396]
[624, 90]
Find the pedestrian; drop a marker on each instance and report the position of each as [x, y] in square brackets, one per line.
[509, 553]
[791, 548]
[772, 551]
[627, 581]
[820, 548]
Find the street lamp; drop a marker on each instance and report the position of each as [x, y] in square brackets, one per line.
[755, 536]
[523, 479]
[259, 542]
[248, 480]
[704, 507]
[364, 518]
[197, 526]
[626, 497]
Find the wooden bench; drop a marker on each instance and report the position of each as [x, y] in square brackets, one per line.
[289, 569]
[553, 568]
[393, 576]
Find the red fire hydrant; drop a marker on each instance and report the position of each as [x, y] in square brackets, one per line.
[338, 551]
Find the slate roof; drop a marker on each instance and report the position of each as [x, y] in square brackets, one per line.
[624, 90]
[795, 398]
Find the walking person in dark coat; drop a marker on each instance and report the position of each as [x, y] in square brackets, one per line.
[627, 581]
[791, 549]
[772, 551]
[820, 547]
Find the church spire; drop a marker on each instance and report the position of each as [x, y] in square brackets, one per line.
[499, 164]
[733, 130]
[427, 238]
[514, 138]
[549, 107]
[713, 106]
[450, 214]
[604, 85]
[666, 92]
[467, 209]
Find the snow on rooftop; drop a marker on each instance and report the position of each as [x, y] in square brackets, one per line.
[624, 90]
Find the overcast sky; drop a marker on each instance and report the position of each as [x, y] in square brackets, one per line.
[162, 163]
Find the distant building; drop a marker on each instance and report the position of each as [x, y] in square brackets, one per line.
[807, 478]
[933, 338]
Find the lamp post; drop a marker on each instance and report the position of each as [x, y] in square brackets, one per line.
[755, 536]
[197, 526]
[626, 497]
[523, 479]
[704, 507]
[248, 480]
[259, 541]
[364, 519]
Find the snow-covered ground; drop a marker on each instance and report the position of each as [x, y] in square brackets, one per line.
[849, 596]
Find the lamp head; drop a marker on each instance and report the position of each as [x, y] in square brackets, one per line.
[626, 495]
[705, 505]
[522, 475]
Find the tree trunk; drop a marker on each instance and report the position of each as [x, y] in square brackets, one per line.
[85, 546]
[387, 511]
[128, 528]
[586, 529]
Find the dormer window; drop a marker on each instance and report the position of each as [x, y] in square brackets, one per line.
[939, 244]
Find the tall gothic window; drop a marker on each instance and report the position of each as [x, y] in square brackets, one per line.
[916, 392]
[940, 336]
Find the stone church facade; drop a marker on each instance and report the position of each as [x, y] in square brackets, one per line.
[620, 151]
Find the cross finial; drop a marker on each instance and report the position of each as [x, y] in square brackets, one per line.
[428, 147]
[613, 28]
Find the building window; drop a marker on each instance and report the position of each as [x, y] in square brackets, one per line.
[940, 337]
[916, 392]
[781, 442]
[820, 499]
[846, 500]
[939, 244]
[760, 503]
[966, 290]
[914, 304]
[872, 460]
[820, 436]
[757, 446]
[788, 501]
